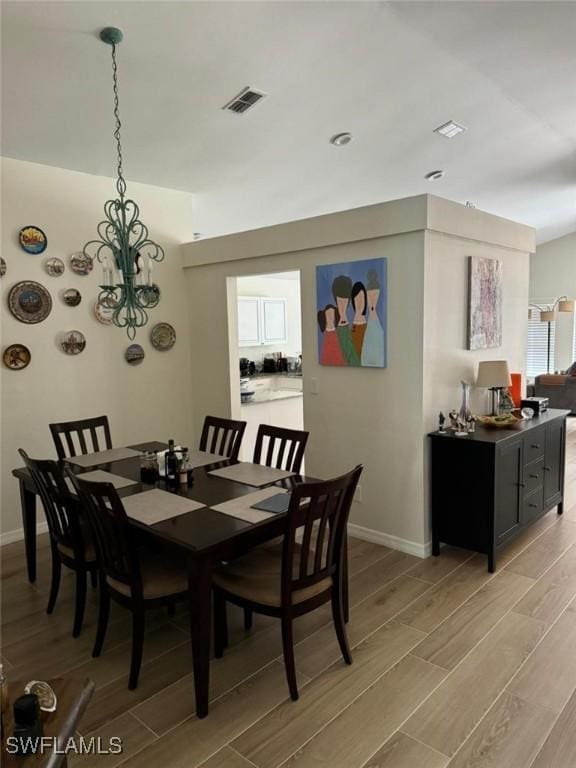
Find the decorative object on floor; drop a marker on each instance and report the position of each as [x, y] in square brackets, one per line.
[465, 413]
[484, 303]
[441, 421]
[16, 357]
[104, 310]
[73, 342]
[29, 302]
[32, 240]
[351, 312]
[493, 375]
[81, 263]
[2, 267]
[163, 336]
[134, 354]
[123, 247]
[46, 696]
[55, 267]
[72, 297]
[548, 315]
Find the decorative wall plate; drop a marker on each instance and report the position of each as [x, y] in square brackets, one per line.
[29, 302]
[134, 354]
[163, 336]
[81, 263]
[72, 297]
[104, 310]
[2, 267]
[55, 267]
[73, 342]
[32, 240]
[16, 357]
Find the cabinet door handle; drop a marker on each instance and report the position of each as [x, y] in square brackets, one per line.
[532, 505]
[521, 485]
[535, 476]
[547, 469]
[535, 445]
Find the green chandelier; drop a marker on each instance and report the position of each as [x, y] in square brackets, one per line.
[123, 247]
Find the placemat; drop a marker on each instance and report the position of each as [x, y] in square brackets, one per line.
[103, 457]
[251, 474]
[202, 458]
[155, 506]
[241, 507]
[99, 476]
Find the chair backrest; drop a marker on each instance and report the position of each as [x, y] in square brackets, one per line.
[70, 436]
[61, 515]
[284, 449]
[222, 436]
[320, 511]
[110, 528]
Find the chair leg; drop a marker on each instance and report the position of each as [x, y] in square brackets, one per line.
[94, 578]
[288, 649]
[220, 625]
[247, 619]
[103, 613]
[339, 617]
[80, 602]
[137, 646]
[171, 609]
[55, 585]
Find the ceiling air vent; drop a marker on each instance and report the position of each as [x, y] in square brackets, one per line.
[246, 99]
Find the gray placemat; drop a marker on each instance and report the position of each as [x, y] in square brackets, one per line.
[251, 474]
[203, 458]
[99, 476]
[103, 457]
[154, 506]
[241, 507]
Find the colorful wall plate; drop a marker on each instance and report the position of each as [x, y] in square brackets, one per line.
[134, 354]
[163, 336]
[72, 297]
[32, 240]
[16, 357]
[81, 263]
[55, 267]
[29, 302]
[73, 342]
[2, 267]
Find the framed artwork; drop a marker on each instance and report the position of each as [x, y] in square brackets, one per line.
[484, 303]
[351, 301]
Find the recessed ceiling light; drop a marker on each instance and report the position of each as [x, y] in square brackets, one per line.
[434, 175]
[341, 139]
[450, 129]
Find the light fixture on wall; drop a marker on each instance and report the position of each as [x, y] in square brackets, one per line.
[124, 248]
[548, 315]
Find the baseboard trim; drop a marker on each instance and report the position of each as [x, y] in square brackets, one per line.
[387, 540]
[9, 537]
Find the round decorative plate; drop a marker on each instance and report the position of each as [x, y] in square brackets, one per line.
[163, 336]
[32, 240]
[73, 342]
[134, 354]
[2, 267]
[16, 357]
[29, 302]
[104, 310]
[72, 297]
[55, 267]
[81, 263]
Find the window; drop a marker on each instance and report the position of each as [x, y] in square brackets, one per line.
[540, 358]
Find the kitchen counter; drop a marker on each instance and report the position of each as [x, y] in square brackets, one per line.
[280, 374]
[267, 395]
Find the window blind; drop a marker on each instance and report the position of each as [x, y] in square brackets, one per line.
[537, 361]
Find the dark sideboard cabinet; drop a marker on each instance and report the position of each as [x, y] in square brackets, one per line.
[489, 486]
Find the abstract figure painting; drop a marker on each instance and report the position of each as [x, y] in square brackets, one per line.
[351, 303]
[484, 303]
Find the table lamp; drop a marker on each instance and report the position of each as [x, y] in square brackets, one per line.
[493, 375]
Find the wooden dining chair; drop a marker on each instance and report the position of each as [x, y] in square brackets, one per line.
[131, 577]
[222, 436]
[284, 447]
[290, 579]
[70, 542]
[70, 436]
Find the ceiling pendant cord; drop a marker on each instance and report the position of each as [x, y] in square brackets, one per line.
[120, 183]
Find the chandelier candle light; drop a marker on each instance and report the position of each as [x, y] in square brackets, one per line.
[124, 250]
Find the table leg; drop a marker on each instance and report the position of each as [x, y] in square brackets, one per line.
[200, 585]
[28, 502]
[345, 598]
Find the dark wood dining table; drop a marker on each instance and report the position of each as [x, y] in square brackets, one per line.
[207, 536]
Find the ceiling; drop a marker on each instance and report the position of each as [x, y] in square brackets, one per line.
[387, 72]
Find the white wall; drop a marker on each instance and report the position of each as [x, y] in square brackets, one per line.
[145, 402]
[553, 274]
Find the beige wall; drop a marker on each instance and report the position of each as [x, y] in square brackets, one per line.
[149, 401]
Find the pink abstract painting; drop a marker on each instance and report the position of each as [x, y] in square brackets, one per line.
[485, 303]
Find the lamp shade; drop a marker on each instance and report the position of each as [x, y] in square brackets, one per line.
[493, 373]
[547, 316]
[566, 305]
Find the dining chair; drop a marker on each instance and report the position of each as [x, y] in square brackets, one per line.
[70, 542]
[75, 434]
[284, 447]
[222, 436]
[130, 576]
[290, 579]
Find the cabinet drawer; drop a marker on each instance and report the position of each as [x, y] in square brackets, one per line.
[534, 444]
[533, 476]
[533, 505]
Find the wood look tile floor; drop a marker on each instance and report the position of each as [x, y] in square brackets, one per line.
[453, 667]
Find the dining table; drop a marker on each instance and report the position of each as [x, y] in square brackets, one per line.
[207, 536]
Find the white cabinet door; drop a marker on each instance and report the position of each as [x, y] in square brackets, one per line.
[248, 321]
[274, 321]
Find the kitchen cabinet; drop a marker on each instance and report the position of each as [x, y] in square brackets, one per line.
[261, 320]
[248, 321]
